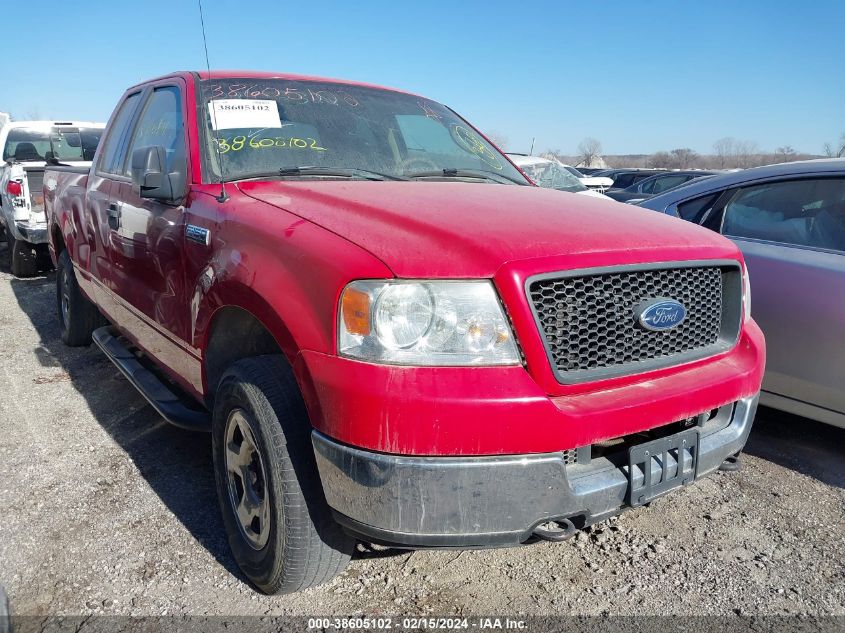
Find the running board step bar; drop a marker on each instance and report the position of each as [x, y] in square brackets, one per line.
[168, 404]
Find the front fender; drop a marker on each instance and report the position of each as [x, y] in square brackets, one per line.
[286, 272]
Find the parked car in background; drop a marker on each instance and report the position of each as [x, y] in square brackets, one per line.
[623, 178]
[789, 221]
[596, 183]
[656, 184]
[390, 334]
[552, 174]
[27, 148]
[589, 171]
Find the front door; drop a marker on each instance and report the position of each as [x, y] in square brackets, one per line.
[146, 253]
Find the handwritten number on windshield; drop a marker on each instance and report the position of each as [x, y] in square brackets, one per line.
[240, 142]
[289, 93]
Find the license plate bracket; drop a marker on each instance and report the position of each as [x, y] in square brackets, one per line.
[656, 467]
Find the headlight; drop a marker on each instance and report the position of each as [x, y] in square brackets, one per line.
[425, 323]
[746, 293]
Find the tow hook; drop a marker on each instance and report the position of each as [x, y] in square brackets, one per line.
[731, 464]
[555, 531]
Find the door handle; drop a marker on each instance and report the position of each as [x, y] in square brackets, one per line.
[114, 216]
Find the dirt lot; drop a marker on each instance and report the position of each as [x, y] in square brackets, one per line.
[104, 508]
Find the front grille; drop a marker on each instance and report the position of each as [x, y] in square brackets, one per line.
[589, 327]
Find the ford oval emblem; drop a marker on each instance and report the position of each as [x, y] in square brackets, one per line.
[660, 314]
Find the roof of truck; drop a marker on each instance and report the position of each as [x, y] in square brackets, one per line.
[257, 74]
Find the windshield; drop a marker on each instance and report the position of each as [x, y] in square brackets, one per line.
[552, 175]
[574, 171]
[264, 126]
[62, 143]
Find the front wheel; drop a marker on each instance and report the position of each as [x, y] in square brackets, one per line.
[279, 525]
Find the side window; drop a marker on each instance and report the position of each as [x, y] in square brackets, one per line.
[623, 181]
[647, 187]
[798, 212]
[90, 138]
[160, 124]
[111, 145]
[695, 210]
[668, 182]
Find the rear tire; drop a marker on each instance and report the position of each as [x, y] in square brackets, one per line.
[78, 317]
[23, 257]
[279, 525]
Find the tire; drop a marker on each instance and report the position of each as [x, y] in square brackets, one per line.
[292, 542]
[23, 257]
[78, 317]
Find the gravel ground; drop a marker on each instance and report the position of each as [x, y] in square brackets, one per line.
[106, 509]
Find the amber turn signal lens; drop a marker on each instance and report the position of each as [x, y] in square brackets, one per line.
[355, 308]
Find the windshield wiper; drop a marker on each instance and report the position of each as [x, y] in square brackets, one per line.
[466, 173]
[314, 170]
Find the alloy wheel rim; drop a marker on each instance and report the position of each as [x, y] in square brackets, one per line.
[246, 481]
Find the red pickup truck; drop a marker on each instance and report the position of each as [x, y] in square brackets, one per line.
[391, 334]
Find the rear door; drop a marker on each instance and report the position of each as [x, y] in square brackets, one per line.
[792, 234]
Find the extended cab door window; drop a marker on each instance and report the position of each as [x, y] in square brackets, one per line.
[160, 125]
[111, 156]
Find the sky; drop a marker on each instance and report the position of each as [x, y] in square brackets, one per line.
[638, 76]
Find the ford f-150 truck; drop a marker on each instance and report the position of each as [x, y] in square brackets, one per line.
[391, 334]
[27, 148]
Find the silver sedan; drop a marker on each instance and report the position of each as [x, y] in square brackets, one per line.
[789, 222]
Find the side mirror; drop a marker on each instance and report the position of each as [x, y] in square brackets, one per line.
[149, 176]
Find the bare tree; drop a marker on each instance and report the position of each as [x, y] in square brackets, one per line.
[661, 160]
[588, 151]
[498, 139]
[784, 154]
[684, 157]
[835, 150]
[744, 153]
[724, 149]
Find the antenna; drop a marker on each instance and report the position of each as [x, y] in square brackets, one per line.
[223, 195]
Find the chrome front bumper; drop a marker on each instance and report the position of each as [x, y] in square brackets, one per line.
[415, 501]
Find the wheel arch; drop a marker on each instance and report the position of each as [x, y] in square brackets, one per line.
[235, 333]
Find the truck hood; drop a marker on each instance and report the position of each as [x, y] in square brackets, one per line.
[460, 229]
